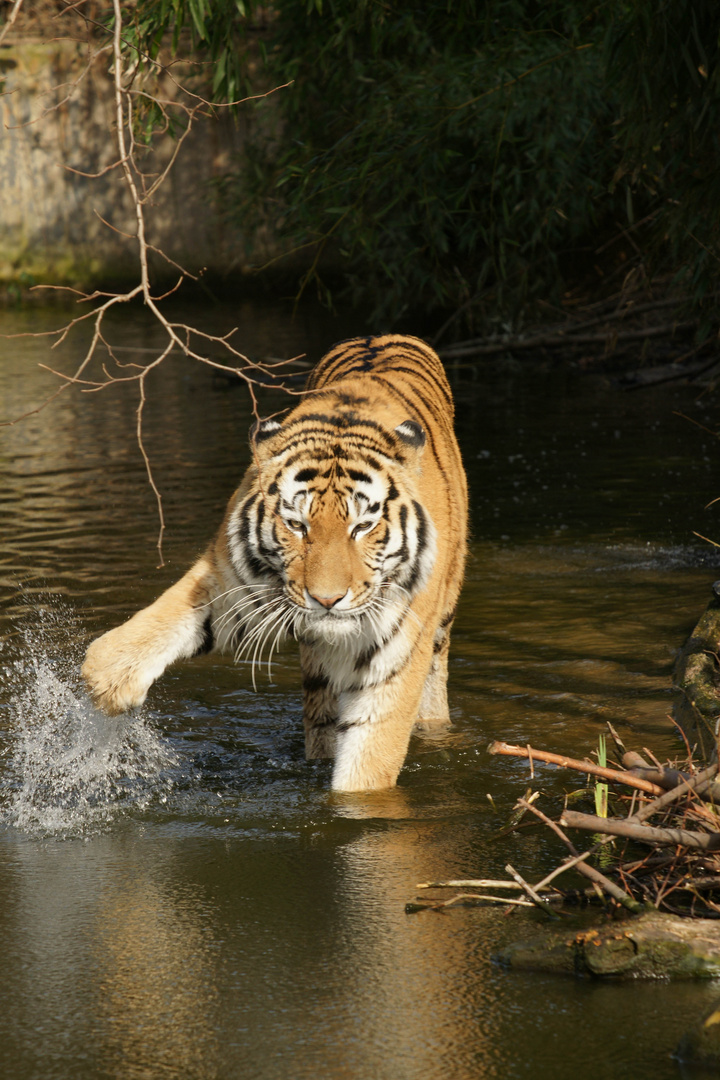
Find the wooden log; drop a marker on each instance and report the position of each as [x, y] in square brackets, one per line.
[579, 766]
[647, 834]
[672, 778]
[701, 784]
[481, 347]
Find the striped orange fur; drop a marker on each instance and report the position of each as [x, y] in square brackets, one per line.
[348, 533]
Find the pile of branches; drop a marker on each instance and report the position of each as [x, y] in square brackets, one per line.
[645, 330]
[670, 865]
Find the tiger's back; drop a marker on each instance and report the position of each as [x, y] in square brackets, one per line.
[348, 533]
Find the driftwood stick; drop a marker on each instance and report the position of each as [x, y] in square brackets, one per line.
[468, 883]
[589, 871]
[468, 899]
[580, 766]
[699, 884]
[529, 891]
[620, 745]
[648, 834]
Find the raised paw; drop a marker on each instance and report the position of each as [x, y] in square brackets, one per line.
[116, 677]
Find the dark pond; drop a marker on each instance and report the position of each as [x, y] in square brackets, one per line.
[180, 895]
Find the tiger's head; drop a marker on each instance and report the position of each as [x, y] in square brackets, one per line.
[335, 519]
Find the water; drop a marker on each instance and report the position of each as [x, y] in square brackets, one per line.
[181, 896]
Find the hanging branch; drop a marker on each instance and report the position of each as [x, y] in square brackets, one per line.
[141, 188]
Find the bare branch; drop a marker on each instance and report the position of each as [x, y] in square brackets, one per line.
[14, 12]
[141, 186]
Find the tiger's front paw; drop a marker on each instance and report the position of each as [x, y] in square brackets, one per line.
[116, 677]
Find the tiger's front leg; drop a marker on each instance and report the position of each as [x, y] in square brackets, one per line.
[121, 666]
[320, 708]
[374, 727]
[434, 711]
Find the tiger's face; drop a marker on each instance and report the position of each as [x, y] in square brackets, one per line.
[340, 528]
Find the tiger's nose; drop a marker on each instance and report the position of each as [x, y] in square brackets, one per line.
[327, 601]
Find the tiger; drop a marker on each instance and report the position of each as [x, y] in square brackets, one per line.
[348, 533]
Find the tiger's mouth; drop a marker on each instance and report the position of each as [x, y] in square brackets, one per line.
[331, 616]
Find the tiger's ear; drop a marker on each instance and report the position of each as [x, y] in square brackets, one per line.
[260, 434]
[411, 434]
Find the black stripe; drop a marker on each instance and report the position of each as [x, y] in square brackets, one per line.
[323, 721]
[421, 544]
[355, 441]
[388, 353]
[243, 529]
[304, 475]
[411, 406]
[242, 536]
[447, 619]
[339, 422]
[208, 638]
[365, 658]
[361, 477]
[313, 683]
[402, 551]
[363, 686]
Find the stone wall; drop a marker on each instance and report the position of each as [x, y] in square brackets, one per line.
[60, 227]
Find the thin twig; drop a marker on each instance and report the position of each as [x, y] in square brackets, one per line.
[14, 12]
[589, 871]
[530, 892]
[465, 899]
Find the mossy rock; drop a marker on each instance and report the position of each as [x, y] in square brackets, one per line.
[697, 680]
[649, 946]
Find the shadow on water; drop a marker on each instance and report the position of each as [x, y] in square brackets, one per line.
[180, 894]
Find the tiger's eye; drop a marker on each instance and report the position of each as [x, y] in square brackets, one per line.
[296, 526]
[362, 527]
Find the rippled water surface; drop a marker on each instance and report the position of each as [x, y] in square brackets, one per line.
[180, 895]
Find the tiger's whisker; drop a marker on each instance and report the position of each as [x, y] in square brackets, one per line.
[241, 606]
[283, 627]
[235, 588]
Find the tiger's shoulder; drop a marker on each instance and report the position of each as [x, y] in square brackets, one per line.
[394, 360]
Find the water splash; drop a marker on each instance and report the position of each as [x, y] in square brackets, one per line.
[71, 769]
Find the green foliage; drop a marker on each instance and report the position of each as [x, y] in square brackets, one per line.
[216, 28]
[601, 789]
[467, 154]
[665, 62]
[440, 153]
